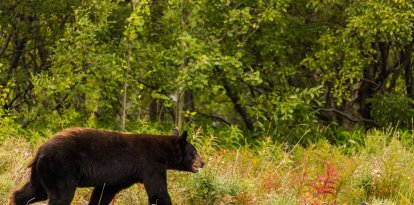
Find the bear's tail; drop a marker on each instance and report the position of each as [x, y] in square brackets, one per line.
[33, 162]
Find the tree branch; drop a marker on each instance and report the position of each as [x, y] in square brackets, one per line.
[235, 98]
[349, 117]
[213, 117]
[6, 43]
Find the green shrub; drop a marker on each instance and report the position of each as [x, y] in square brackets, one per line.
[392, 109]
[8, 127]
[231, 137]
[206, 188]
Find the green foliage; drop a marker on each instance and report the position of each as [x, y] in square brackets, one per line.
[343, 53]
[393, 109]
[206, 188]
[77, 82]
[231, 137]
[8, 127]
[351, 141]
[269, 67]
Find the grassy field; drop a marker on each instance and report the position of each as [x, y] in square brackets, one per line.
[380, 171]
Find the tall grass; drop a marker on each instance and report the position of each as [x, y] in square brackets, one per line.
[379, 170]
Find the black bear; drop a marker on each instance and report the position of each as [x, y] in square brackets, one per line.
[109, 162]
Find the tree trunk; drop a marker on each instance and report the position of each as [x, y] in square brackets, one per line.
[239, 107]
[6, 42]
[366, 91]
[18, 48]
[384, 49]
[157, 8]
[125, 87]
[408, 70]
[153, 110]
[179, 113]
[189, 100]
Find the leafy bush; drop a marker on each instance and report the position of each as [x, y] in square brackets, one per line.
[231, 137]
[392, 109]
[206, 188]
[8, 127]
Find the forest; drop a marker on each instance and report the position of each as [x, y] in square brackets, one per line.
[288, 101]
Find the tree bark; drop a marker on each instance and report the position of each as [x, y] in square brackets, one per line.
[366, 91]
[384, 48]
[153, 110]
[125, 87]
[239, 107]
[6, 43]
[18, 47]
[189, 100]
[180, 110]
[406, 61]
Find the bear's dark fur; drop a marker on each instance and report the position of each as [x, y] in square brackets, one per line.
[109, 162]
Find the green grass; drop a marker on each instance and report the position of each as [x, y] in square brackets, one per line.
[381, 171]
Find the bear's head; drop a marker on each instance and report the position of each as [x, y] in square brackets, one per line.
[190, 159]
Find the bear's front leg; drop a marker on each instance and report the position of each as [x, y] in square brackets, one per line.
[103, 195]
[155, 184]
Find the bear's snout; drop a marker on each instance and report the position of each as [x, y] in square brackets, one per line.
[197, 164]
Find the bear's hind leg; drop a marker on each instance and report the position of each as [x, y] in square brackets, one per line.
[29, 194]
[59, 178]
[62, 192]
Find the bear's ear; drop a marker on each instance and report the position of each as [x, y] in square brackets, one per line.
[183, 137]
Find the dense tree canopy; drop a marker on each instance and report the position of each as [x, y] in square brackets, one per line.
[267, 66]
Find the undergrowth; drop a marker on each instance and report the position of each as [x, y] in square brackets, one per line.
[377, 170]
